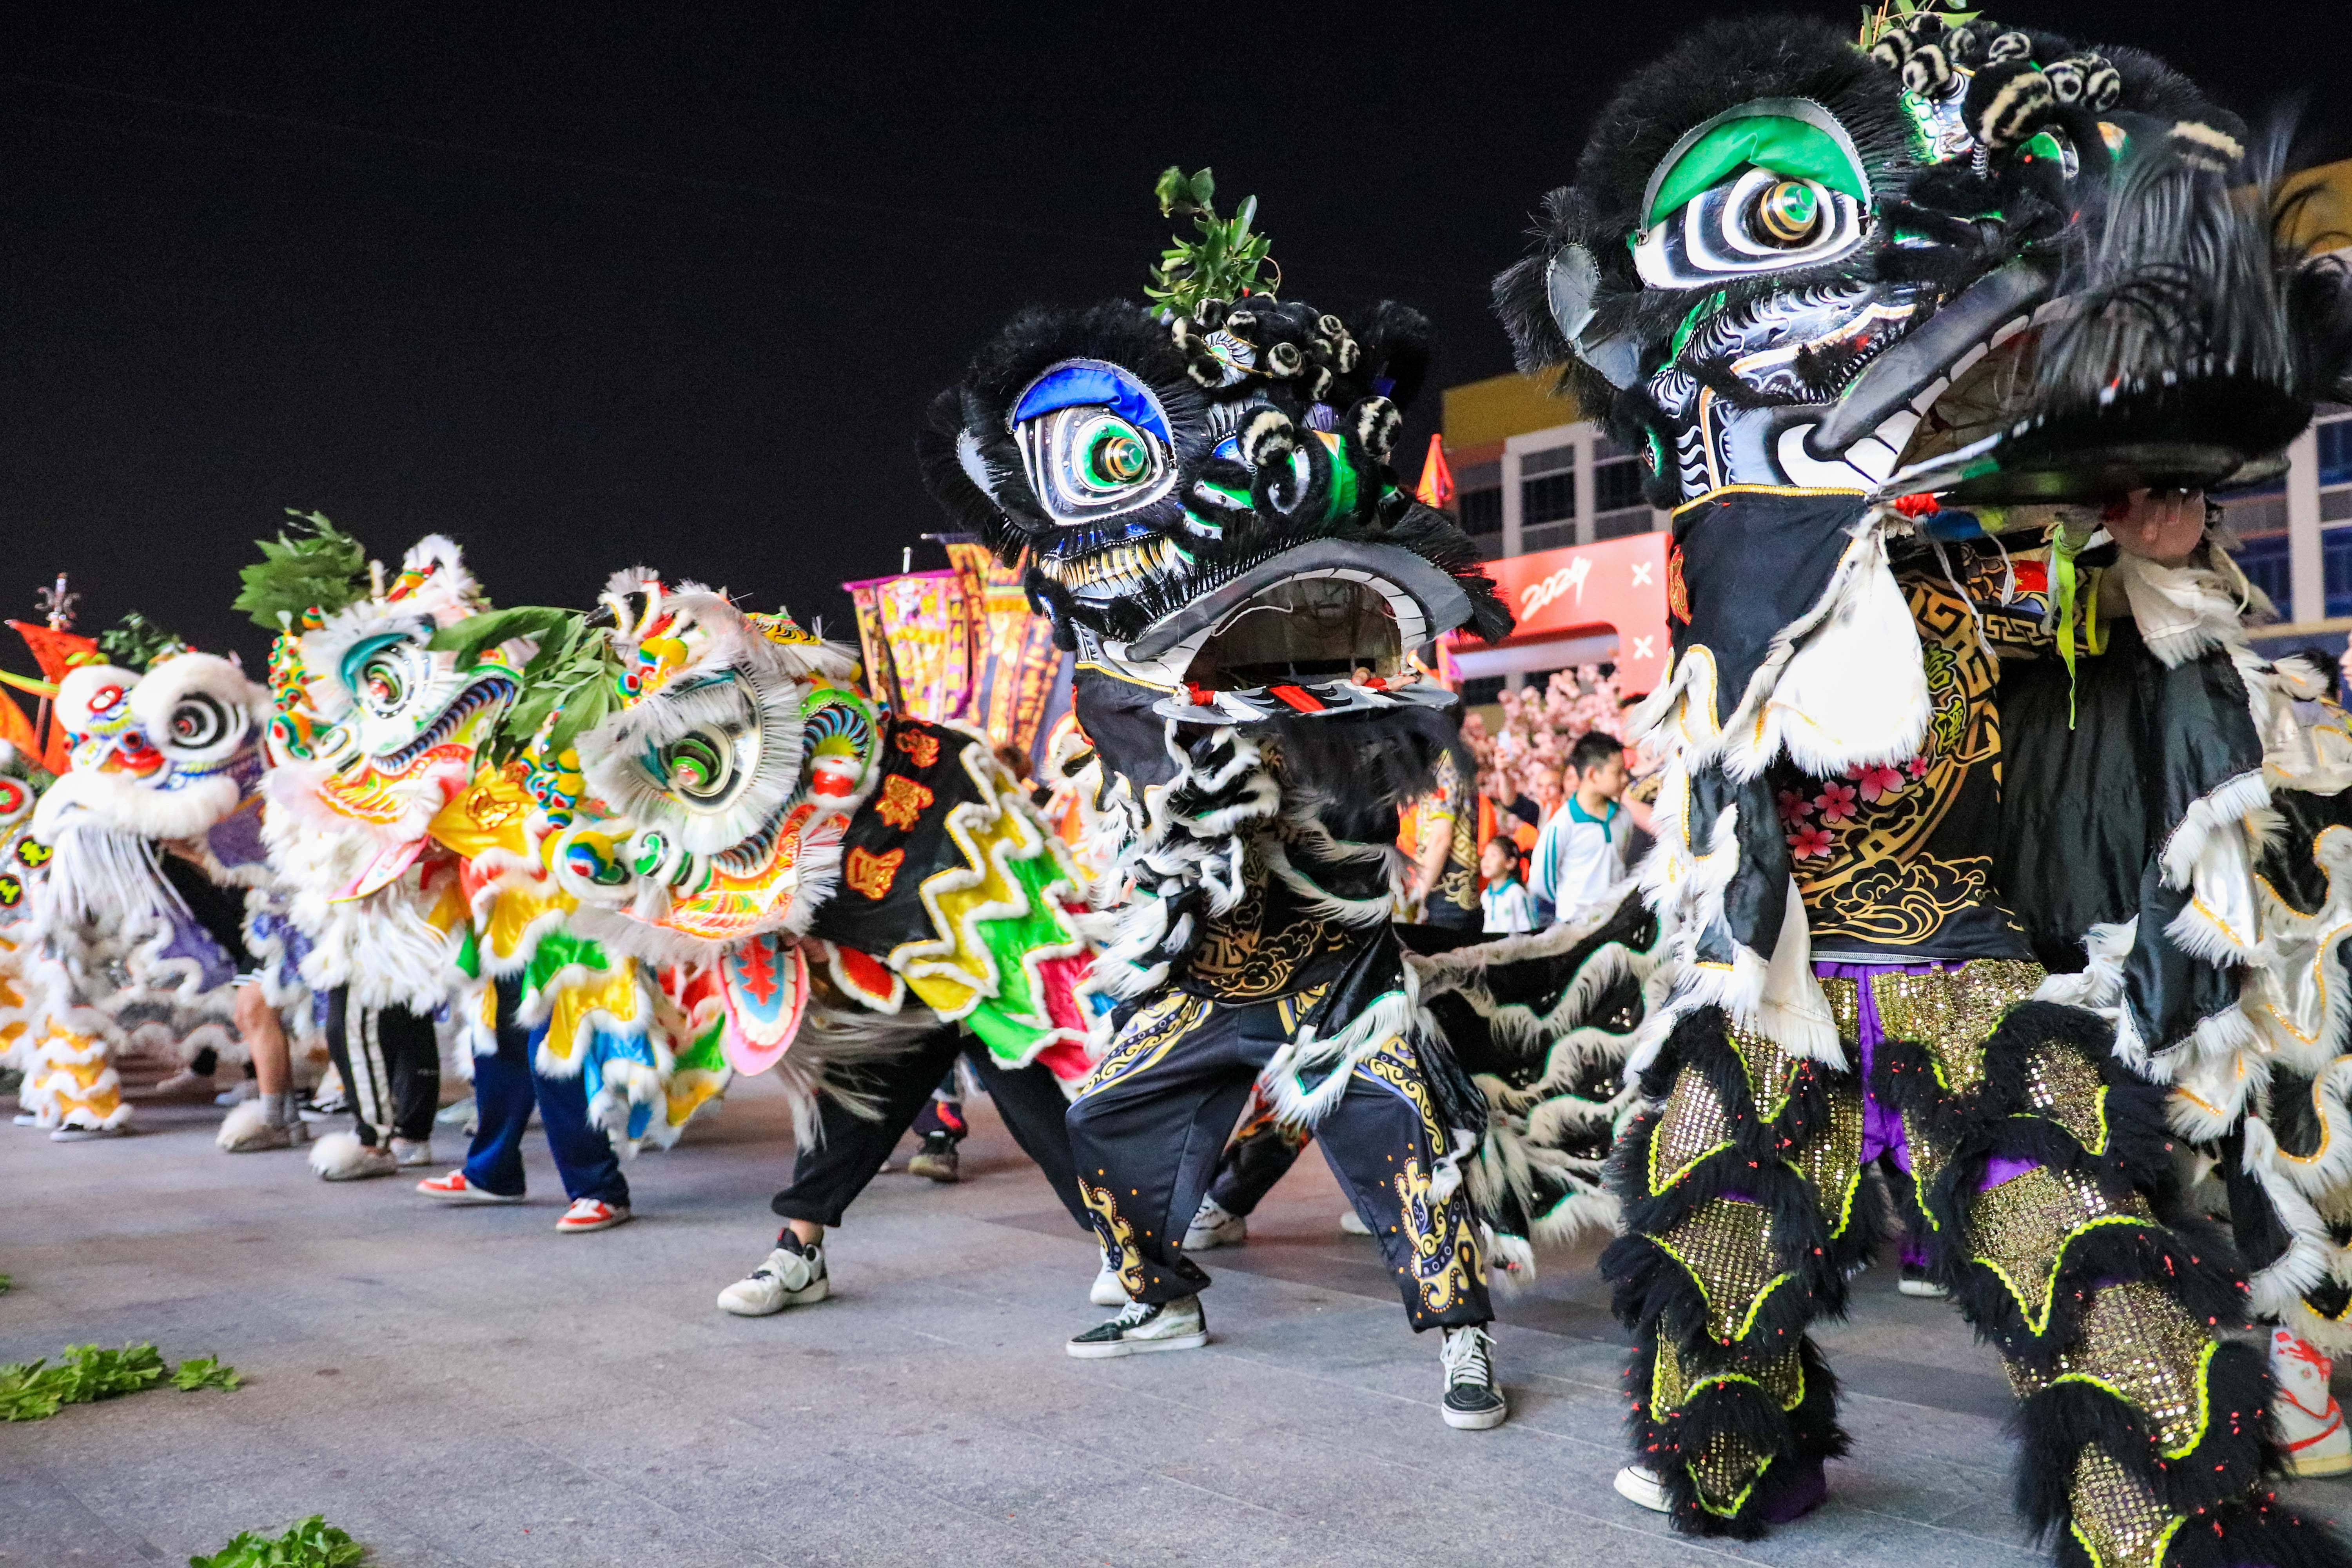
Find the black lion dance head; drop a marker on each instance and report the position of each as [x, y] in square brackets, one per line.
[1986, 262]
[1202, 488]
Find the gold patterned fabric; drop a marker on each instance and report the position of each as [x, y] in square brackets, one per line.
[2022, 1230]
[1783, 1377]
[2143, 1347]
[1952, 1013]
[1117, 1234]
[1831, 1161]
[2066, 1088]
[1692, 1126]
[1255, 951]
[1156, 1027]
[1725, 1246]
[1771, 1072]
[1724, 1469]
[1446, 1265]
[2117, 1520]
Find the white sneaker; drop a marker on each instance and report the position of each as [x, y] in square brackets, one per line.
[1472, 1403]
[236, 1094]
[1353, 1224]
[1643, 1487]
[85, 1134]
[247, 1129]
[2311, 1424]
[409, 1155]
[456, 1113]
[1107, 1291]
[1216, 1226]
[1143, 1327]
[787, 1279]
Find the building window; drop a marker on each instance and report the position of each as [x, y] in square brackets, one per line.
[1481, 510]
[2336, 570]
[2264, 562]
[1617, 484]
[2335, 452]
[1547, 486]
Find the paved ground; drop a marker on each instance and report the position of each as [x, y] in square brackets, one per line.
[469, 1387]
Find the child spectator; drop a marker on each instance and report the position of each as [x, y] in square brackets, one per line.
[1507, 905]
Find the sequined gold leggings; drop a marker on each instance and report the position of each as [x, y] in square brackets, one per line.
[2046, 1184]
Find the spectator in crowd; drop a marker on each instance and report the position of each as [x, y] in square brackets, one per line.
[1585, 847]
[1506, 901]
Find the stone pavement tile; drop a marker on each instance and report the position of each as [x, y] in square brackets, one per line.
[44, 1525]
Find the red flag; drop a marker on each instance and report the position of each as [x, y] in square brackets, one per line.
[15, 729]
[54, 649]
[1436, 487]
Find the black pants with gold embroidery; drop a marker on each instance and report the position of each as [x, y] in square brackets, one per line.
[2050, 1210]
[1147, 1126]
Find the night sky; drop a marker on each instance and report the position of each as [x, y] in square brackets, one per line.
[673, 287]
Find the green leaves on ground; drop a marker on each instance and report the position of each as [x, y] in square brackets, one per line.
[313, 1544]
[35, 1391]
[319, 568]
[4, 1283]
[568, 688]
[1222, 263]
[205, 1371]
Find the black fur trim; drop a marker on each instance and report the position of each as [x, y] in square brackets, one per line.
[2056, 1424]
[1792, 1439]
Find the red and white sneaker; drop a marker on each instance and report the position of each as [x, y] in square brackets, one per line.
[2310, 1423]
[591, 1214]
[457, 1189]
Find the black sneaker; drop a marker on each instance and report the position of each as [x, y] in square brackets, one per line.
[1472, 1403]
[936, 1159]
[1146, 1326]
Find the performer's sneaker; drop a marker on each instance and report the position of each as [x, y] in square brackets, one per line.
[1643, 1487]
[325, 1107]
[1472, 1403]
[85, 1134]
[794, 1276]
[591, 1214]
[187, 1081]
[1353, 1224]
[1107, 1291]
[937, 1159]
[1216, 1226]
[1917, 1281]
[2310, 1423]
[409, 1155]
[1143, 1327]
[457, 1189]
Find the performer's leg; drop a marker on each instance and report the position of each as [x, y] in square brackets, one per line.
[1261, 1152]
[1036, 1112]
[2051, 1199]
[941, 1124]
[1740, 1218]
[584, 1157]
[412, 1054]
[830, 1173]
[1385, 1143]
[1146, 1130]
[851, 1149]
[352, 1047]
[502, 1102]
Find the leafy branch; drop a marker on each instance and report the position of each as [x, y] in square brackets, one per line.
[1222, 263]
[570, 686]
[135, 642]
[319, 568]
[313, 1544]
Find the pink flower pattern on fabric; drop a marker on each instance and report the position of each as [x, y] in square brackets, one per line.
[1810, 843]
[1837, 803]
[1794, 809]
[1876, 783]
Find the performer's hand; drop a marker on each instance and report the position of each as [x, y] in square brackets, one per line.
[2163, 526]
